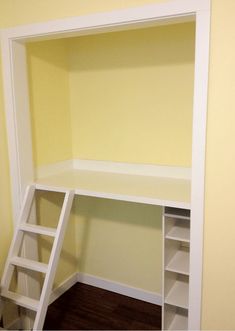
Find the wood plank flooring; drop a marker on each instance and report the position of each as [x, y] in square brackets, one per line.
[86, 307]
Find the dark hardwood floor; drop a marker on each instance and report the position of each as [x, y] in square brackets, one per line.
[85, 307]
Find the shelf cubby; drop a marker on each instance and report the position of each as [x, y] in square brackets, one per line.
[177, 213]
[179, 262]
[175, 318]
[177, 229]
[176, 289]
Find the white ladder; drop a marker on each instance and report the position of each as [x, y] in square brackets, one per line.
[13, 260]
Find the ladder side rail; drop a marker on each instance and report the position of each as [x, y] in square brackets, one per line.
[17, 237]
[53, 261]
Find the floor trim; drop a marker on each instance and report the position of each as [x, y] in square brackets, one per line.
[133, 292]
[120, 288]
[63, 287]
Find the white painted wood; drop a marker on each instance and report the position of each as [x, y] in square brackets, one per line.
[6, 46]
[177, 229]
[53, 261]
[198, 166]
[179, 262]
[176, 318]
[14, 260]
[38, 229]
[120, 288]
[163, 268]
[29, 264]
[177, 213]
[28, 288]
[143, 189]
[19, 139]
[179, 294]
[17, 238]
[111, 180]
[21, 300]
[176, 267]
[106, 284]
[170, 249]
[180, 322]
[63, 287]
[169, 315]
[133, 169]
[18, 122]
[179, 233]
[51, 188]
[53, 169]
[174, 216]
[113, 167]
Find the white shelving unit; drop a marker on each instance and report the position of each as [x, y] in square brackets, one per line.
[181, 240]
[176, 268]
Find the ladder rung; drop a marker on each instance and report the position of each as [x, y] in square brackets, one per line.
[21, 300]
[38, 229]
[29, 264]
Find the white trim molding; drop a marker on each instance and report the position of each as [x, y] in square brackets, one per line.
[63, 287]
[116, 287]
[106, 284]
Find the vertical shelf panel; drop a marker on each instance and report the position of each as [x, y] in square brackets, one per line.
[176, 245]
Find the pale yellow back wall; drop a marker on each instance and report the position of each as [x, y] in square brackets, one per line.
[49, 101]
[128, 96]
[131, 95]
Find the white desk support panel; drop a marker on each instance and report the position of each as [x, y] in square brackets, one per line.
[14, 260]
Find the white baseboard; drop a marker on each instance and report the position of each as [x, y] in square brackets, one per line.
[120, 288]
[63, 287]
[133, 292]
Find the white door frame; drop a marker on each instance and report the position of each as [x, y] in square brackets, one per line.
[18, 117]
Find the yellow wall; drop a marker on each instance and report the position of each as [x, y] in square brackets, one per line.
[126, 89]
[32, 11]
[49, 101]
[5, 199]
[120, 241]
[219, 244]
[117, 87]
